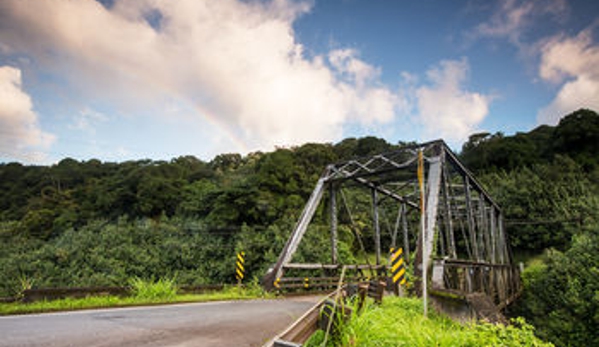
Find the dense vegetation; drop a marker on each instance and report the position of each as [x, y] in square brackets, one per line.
[547, 181]
[399, 322]
[562, 293]
[93, 223]
[99, 223]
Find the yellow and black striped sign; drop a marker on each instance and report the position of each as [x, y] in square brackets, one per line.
[398, 267]
[239, 266]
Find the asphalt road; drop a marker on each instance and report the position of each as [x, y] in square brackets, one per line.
[222, 324]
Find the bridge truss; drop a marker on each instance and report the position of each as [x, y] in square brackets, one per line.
[462, 239]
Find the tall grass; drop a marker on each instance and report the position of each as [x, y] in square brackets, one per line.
[162, 289]
[399, 322]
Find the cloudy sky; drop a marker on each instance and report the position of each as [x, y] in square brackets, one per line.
[130, 79]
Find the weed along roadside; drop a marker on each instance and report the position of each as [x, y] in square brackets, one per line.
[357, 315]
[398, 321]
[138, 293]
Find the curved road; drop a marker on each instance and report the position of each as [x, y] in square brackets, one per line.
[222, 324]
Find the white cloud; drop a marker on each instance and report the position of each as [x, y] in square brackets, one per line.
[445, 108]
[573, 63]
[352, 68]
[20, 133]
[237, 62]
[512, 18]
[508, 21]
[565, 57]
[87, 120]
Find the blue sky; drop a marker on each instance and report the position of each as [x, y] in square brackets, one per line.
[122, 80]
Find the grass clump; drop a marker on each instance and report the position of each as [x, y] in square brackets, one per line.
[399, 322]
[163, 289]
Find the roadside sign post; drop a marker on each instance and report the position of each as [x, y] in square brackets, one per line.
[240, 267]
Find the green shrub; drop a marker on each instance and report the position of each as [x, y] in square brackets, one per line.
[561, 295]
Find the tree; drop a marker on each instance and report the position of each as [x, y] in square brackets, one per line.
[541, 204]
[38, 223]
[577, 135]
[197, 198]
[371, 145]
[158, 195]
[223, 163]
[562, 295]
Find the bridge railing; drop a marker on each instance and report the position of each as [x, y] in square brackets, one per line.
[501, 282]
[325, 276]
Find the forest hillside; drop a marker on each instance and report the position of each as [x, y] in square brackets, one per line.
[94, 223]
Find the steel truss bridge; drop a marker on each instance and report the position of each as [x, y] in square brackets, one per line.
[457, 234]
